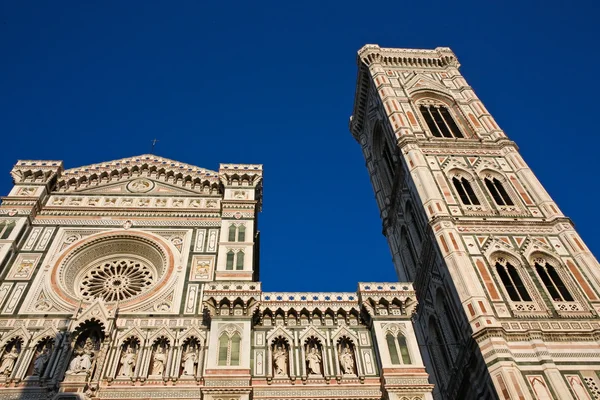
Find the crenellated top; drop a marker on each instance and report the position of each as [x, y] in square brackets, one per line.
[376, 298]
[410, 59]
[441, 57]
[241, 174]
[36, 171]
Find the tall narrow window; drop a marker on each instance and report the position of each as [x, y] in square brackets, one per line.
[231, 237]
[235, 350]
[553, 283]
[465, 191]
[391, 342]
[239, 262]
[498, 192]
[388, 160]
[223, 349]
[512, 282]
[440, 121]
[242, 233]
[403, 349]
[229, 262]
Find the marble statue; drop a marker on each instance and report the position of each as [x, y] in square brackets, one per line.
[347, 361]
[189, 362]
[40, 362]
[280, 361]
[313, 361]
[8, 361]
[128, 362]
[159, 361]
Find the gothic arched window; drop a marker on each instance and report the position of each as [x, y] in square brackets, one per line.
[383, 157]
[553, 283]
[498, 192]
[465, 191]
[229, 261]
[242, 233]
[512, 282]
[398, 348]
[231, 234]
[229, 349]
[239, 264]
[440, 121]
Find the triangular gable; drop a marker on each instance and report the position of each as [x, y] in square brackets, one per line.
[135, 185]
[422, 82]
[146, 166]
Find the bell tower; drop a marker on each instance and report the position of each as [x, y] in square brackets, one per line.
[508, 292]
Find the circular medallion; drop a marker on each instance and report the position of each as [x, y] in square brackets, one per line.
[140, 186]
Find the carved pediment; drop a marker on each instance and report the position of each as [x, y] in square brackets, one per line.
[422, 82]
[137, 186]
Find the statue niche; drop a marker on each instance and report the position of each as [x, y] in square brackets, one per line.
[10, 354]
[190, 358]
[86, 348]
[42, 354]
[314, 356]
[128, 360]
[280, 351]
[346, 356]
[160, 354]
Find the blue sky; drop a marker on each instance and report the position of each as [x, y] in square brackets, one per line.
[273, 83]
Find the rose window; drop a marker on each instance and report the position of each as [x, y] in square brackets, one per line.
[129, 268]
[116, 280]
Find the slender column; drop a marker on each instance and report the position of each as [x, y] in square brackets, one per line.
[336, 356]
[327, 372]
[138, 363]
[116, 359]
[291, 361]
[55, 350]
[297, 351]
[269, 361]
[177, 362]
[168, 368]
[303, 352]
[201, 357]
[24, 361]
[360, 369]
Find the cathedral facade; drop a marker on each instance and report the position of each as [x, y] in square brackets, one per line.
[138, 279]
[509, 294]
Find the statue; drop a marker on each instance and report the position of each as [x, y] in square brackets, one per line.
[82, 362]
[347, 361]
[128, 362]
[8, 361]
[40, 362]
[189, 362]
[280, 361]
[159, 361]
[313, 361]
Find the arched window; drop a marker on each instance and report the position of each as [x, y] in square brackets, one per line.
[440, 122]
[465, 191]
[383, 157]
[231, 237]
[242, 233]
[553, 283]
[498, 192]
[391, 342]
[399, 353]
[229, 349]
[403, 349]
[239, 264]
[407, 254]
[512, 282]
[230, 258]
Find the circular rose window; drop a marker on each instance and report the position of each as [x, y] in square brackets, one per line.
[117, 279]
[115, 267]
